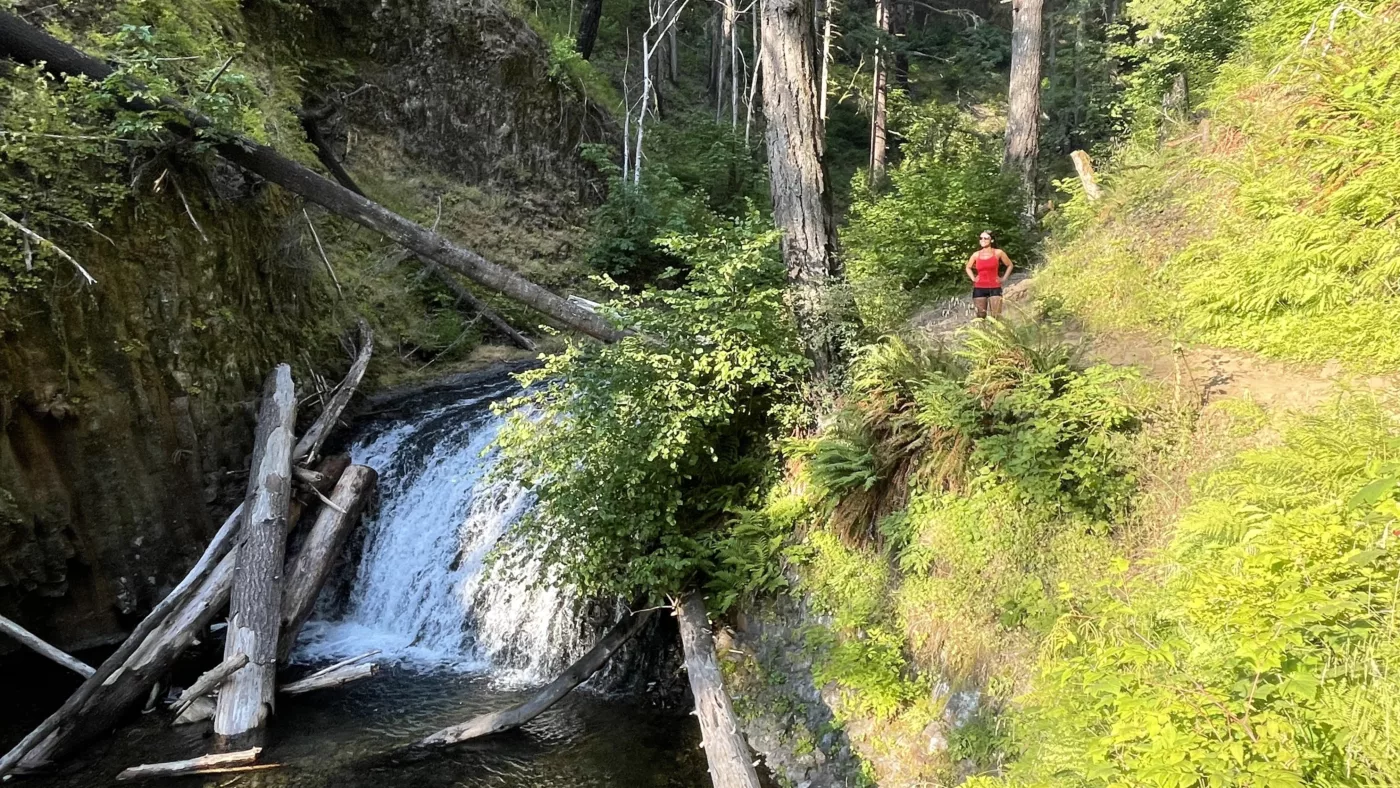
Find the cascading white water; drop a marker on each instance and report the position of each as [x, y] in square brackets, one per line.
[424, 592]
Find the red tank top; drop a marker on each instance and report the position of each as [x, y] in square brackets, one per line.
[988, 264]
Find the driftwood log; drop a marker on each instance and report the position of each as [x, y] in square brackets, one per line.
[36, 643]
[24, 43]
[210, 681]
[309, 446]
[205, 764]
[62, 728]
[1084, 166]
[255, 604]
[731, 765]
[308, 571]
[337, 677]
[576, 674]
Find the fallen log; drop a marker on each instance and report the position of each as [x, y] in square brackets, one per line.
[201, 765]
[1084, 166]
[312, 565]
[57, 731]
[255, 603]
[210, 681]
[25, 43]
[576, 674]
[481, 308]
[312, 486]
[27, 638]
[731, 765]
[334, 678]
[310, 444]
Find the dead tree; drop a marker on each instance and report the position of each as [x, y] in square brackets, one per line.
[25, 43]
[1023, 115]
[34, 642]
[588, 22]
[1084, 166]
[576, 674]
[731, 765]
[255, 604]
[879, 93]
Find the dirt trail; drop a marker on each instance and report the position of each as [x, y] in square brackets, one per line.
[1217, 373]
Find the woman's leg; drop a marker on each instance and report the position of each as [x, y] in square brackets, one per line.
[995, 303]
[980, 304]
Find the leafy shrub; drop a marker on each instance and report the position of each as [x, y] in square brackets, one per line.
[1263, 651]
[638, 449]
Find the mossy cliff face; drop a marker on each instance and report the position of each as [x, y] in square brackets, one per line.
[126, 407]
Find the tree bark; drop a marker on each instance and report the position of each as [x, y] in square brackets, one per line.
[1023, 115]
[308, 571]
[731, 765]
[879, 90]
[204, 764]
[27, 44]
[310, 123]
[210, 681]
[66, 726]
[588, 20]
[255, 604]
[34, 642]
[576, 674]
[798, 178]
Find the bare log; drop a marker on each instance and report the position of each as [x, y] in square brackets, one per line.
[551, 693]
[731, 765]
[309, 570]
[199, 710]
[61, 729]
[34, 642]
[1085, 167]
[310, 444]
[345, 662]
[335, 678]
[481, 307]
[25, 43]
[255, 603]
[210, 681]
[201, 765]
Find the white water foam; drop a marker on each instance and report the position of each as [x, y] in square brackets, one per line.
[424, 592]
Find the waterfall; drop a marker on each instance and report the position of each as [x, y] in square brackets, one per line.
[424, 591]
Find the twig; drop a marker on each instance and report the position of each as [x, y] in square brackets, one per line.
[327, 502]
[188, 212]
[220, 73]
[47, 244]
[322, 250]
[85, 137]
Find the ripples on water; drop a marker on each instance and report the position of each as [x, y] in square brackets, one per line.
[459, 638]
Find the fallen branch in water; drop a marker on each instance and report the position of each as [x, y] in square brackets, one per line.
[333, 678]
[204, 764]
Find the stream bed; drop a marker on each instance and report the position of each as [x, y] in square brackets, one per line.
[458, 637]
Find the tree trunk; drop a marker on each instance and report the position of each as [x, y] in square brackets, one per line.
[310, 123]
[1085, 167]
[477, 305]
[1023, 116]
[68, 725]
[204, 764]
[576, 674]
[588, 21]
[33, 641]
[255, 604]
[211, 680]
[309, 447]
[27, 44]
[798, 177]
[308, 571]
[879, 88]
[726, 56]
[331, 678]
[824, 87]
[731, 765]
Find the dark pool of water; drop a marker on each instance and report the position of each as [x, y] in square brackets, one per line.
[350, 738]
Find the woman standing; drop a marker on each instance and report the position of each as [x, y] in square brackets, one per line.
[983, 268]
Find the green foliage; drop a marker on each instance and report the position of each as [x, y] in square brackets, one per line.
[872, 673]
[638, 449]
[1263, 651]
[749, 552]
[1280, 237]
[913, 237]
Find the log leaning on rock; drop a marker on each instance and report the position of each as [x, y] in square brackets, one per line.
[24, 43]
[255, 603]
[731, 765]
[308, 571]
[576, 674]
[34, 642]
[210, 681]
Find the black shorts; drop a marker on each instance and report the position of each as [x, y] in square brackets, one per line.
[986, 292]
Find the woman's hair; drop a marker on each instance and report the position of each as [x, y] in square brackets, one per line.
[989, 234]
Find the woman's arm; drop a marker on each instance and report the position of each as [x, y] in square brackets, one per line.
[1009, 266]
[970, 268]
